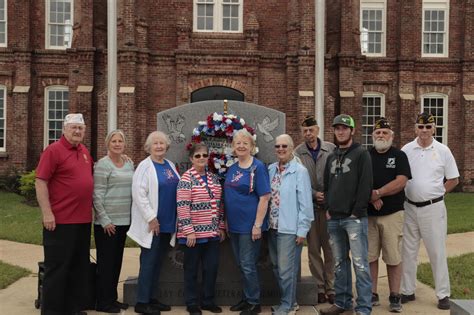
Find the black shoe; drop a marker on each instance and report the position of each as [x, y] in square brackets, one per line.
[444, 304]
[253, 310]
[161, 306]
[114, 309]
[241, 306]
[148, 309]
[408, 298]
[375, 299]
[331, 298]
[213, 308]
[123, 306]
[193, 310]
[322, 298]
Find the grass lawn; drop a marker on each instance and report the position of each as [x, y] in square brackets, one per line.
[10, 274]
[460, 274]
[22, 223]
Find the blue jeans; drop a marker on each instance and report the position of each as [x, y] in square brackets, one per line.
[206, 255]
[150, 265]
[246, 254]
[285, 256]
[344, 235]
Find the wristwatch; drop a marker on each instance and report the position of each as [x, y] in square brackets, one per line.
[257, 225]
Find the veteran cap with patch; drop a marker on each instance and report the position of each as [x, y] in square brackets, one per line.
[309, 121]
[425, 118]
[382, 123]
[73, 119]
[345, 120]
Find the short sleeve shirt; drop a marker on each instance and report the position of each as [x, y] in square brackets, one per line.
[168, 183]
[243, 188]
[68, 171]
[429, 167]
[385, 168]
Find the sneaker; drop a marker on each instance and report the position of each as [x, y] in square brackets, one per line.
[253, 310]
[333, 310]
[193, 310]
[395, 303]
[145, 308]
[331, 298]
[444, 304]
[160, 306]
[241, 306]
[296, 307]
[213, 308]
[322, 298]
[123, 306]
[375, 299]
[408, 298]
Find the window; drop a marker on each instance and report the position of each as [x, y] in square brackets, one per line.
[3, 23]
[3, 117]
[59, 24]
[216, 93]
[436, 104]
[373, 108]
[372, 27]
[435, 28]
[56, 108]
[218, 15]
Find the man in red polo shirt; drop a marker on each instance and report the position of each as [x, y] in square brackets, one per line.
[64, 186]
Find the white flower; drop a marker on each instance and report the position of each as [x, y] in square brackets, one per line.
[254, 137]
[228, 121]
[196, 132]
[217, 117]
[229, 162]
[202, 123]
[217, 165]
[242, 121]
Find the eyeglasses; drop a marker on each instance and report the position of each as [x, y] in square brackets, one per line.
[425, 126]
[198, 156]
[278, 146]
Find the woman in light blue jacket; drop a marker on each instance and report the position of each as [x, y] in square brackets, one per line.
[290, 216]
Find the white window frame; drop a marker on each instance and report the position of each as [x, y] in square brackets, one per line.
[52, 88]
[4, 44]
[218, 20]
[374, 5]
[439, 5]
[371, 125]
[68, 26]
[444, 127]
[3, 93]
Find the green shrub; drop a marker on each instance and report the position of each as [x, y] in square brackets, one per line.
[10, 181]
[27, 187]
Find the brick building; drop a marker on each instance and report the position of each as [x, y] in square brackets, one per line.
[383, 57]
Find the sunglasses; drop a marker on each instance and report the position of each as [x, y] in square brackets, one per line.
[278, 146]
[198, 156]
[425, 126]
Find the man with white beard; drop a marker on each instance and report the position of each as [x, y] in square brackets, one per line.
[391, 171]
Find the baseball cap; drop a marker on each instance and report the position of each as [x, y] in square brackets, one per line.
[345, 120]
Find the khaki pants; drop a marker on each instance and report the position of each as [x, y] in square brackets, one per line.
[318, 238]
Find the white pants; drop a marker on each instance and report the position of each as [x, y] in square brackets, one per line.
[430, 224]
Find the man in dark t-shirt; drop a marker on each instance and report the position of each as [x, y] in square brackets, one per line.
[391, 171]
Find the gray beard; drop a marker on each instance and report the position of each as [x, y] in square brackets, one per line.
[382, 145]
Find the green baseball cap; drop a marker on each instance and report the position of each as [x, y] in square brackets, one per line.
[345, 120]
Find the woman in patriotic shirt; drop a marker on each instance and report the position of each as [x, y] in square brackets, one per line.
[200, 228]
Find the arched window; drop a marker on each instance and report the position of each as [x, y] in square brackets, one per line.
[216, 93]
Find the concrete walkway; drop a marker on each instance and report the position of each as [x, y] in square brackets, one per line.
[18, 298]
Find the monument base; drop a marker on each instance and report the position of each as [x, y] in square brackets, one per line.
[227, 293]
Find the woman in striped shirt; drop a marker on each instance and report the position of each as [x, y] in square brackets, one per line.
[200, 228]
[112, 202]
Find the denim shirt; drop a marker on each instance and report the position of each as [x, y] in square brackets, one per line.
[296, 202]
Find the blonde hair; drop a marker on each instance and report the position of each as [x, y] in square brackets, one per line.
[244, 133]
[113, 133]
[157, 134]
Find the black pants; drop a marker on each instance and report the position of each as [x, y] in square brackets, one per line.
[66, 264]
[109, 262]
[206, 256]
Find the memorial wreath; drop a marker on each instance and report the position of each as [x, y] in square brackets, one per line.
[217, 131]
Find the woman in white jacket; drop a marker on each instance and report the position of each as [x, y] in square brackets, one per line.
[153, 218]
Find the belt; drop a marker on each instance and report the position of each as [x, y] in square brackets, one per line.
[425, 203]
